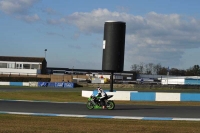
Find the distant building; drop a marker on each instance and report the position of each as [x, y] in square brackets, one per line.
[22, 65]
[181, 80]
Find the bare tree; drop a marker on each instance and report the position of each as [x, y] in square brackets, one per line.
[151, 68]
[135, 68]
[193, 71]
[141, 67]
[157, 68]
[147, 69]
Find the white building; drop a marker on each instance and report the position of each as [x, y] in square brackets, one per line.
[22, 65]
[181, 80]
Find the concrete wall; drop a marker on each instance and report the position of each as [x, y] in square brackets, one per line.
[147, 96]
[31, 84]
[4, 83]
[40, 84]
[173, 81]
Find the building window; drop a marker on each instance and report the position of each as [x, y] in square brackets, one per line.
[34, 66]
[26, 66]
[11, 65]
[19, 66]
[3, 65]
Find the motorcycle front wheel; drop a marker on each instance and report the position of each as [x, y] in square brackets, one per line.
[90, 105]
[110, 105]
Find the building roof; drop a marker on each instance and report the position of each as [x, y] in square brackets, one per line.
[22, 59]
[87, 70]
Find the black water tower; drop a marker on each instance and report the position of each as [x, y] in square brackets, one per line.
[113, 47]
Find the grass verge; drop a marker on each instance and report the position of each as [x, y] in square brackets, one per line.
[36, 124]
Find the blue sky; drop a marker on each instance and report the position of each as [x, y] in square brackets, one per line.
[157, 31]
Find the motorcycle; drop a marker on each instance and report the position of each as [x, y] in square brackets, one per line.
[94, 103]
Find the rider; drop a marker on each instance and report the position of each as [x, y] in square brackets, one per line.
[102, 94]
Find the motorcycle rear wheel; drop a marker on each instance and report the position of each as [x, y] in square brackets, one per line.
[90, 105]
[110, 105]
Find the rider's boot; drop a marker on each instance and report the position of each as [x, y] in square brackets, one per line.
[104, 107]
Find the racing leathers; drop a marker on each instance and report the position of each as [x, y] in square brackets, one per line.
[102, 96]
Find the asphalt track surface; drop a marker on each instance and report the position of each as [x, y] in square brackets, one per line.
[120, 110]
[80, 108]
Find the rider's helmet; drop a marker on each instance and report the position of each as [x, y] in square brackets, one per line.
[99, 88]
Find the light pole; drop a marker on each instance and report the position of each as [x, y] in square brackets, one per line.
[45, 52]
[72, 73]
[167, 74]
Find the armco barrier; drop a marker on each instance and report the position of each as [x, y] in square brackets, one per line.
[86, 93]
[4, 83]
[143, 96]
[120, 95]
[158, 96]
[16, 83]
[163, 96]
[148, 96]
[117, 95]
[25, 84]
[40, 84]
[33, 84]
[190, 97]
[56, 84]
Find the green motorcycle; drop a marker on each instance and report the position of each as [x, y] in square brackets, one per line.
[94, 103]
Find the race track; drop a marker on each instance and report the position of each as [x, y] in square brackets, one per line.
[120, 110]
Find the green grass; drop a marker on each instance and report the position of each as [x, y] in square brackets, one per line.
[36, 124]
[44, 96]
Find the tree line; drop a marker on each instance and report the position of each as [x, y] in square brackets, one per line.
[158, 69]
